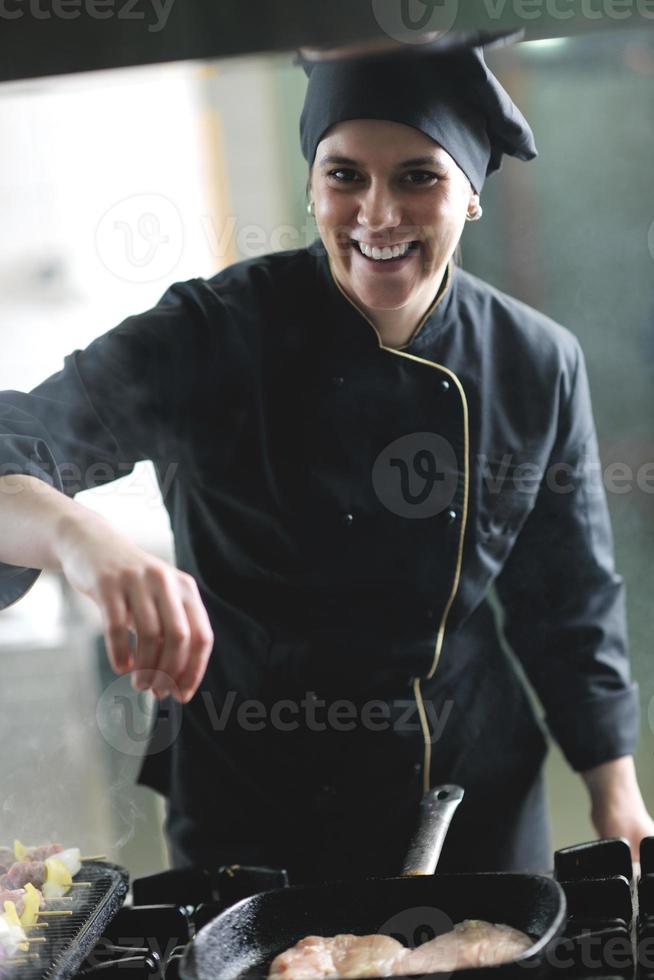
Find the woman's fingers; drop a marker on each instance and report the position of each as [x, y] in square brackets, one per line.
[176, 641]
[186, 623]
[174, 638]
[200, 649]
[115, 627]
[149, 633]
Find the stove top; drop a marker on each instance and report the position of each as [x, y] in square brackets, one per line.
[609, 930]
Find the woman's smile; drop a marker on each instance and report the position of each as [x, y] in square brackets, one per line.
[386, 258]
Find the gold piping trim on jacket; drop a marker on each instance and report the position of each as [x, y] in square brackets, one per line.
[466, 482]
[426, 735]
[445, 285]
[442, 290]
[464, 516]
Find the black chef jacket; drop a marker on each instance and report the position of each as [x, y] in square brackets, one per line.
[345, 509]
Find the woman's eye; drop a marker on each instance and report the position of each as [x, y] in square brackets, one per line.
[345, 175]
[423, 176]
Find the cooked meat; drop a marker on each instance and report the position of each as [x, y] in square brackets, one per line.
[315, 957]
[471, 943]
[41, 852]
[17, 896]
[6, 859]
[21, 872]
[310, 957]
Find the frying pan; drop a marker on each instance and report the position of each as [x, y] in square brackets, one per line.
[243, 940]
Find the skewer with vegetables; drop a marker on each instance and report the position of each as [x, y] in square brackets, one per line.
[51, 877]
[28, 902]
[49, 870]
[13, 938]
[29, 876]
[12, 935]
[70, 856]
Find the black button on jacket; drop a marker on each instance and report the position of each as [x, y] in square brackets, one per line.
[345, 509]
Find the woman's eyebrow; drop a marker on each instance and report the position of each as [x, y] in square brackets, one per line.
[414, 162]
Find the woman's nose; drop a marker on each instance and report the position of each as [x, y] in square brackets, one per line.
[379, 209]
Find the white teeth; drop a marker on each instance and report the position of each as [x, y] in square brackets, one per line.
[387, 252]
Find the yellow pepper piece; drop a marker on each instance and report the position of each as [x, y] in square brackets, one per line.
[20, 851]
[11, 917]
[58, 879]
[31, 905]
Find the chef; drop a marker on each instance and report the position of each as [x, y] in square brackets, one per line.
[359, 444]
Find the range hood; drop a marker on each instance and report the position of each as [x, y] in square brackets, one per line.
[53, 37]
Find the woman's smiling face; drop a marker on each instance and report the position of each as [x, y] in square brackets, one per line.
[377, 184]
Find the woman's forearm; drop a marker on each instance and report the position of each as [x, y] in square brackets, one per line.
[611, 778]
[617, 805]
[134, 591]
[34, 518]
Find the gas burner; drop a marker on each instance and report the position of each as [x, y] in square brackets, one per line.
[609, 930]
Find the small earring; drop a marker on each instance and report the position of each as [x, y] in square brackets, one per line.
[310, 207]
[476, 214]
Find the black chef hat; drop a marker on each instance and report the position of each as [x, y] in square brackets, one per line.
[449, 94]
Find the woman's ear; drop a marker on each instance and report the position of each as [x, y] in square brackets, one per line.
[474, 210]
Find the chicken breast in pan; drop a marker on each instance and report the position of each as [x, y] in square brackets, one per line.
[344, 956]
[471, 943]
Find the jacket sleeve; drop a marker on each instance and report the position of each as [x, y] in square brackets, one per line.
[120, 400]
[564, 604]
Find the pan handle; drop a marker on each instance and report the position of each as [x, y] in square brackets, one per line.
[436, 811]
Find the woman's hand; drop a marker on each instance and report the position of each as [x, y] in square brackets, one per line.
[134, 590]
[617, 806]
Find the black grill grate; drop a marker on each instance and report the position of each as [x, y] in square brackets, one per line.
[70, 938]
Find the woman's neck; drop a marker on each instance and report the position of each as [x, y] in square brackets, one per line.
[397, 327]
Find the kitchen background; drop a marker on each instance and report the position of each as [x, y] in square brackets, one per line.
[114, 184]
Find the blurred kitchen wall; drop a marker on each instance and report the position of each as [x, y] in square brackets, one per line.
[115, 184]
[572, 234]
